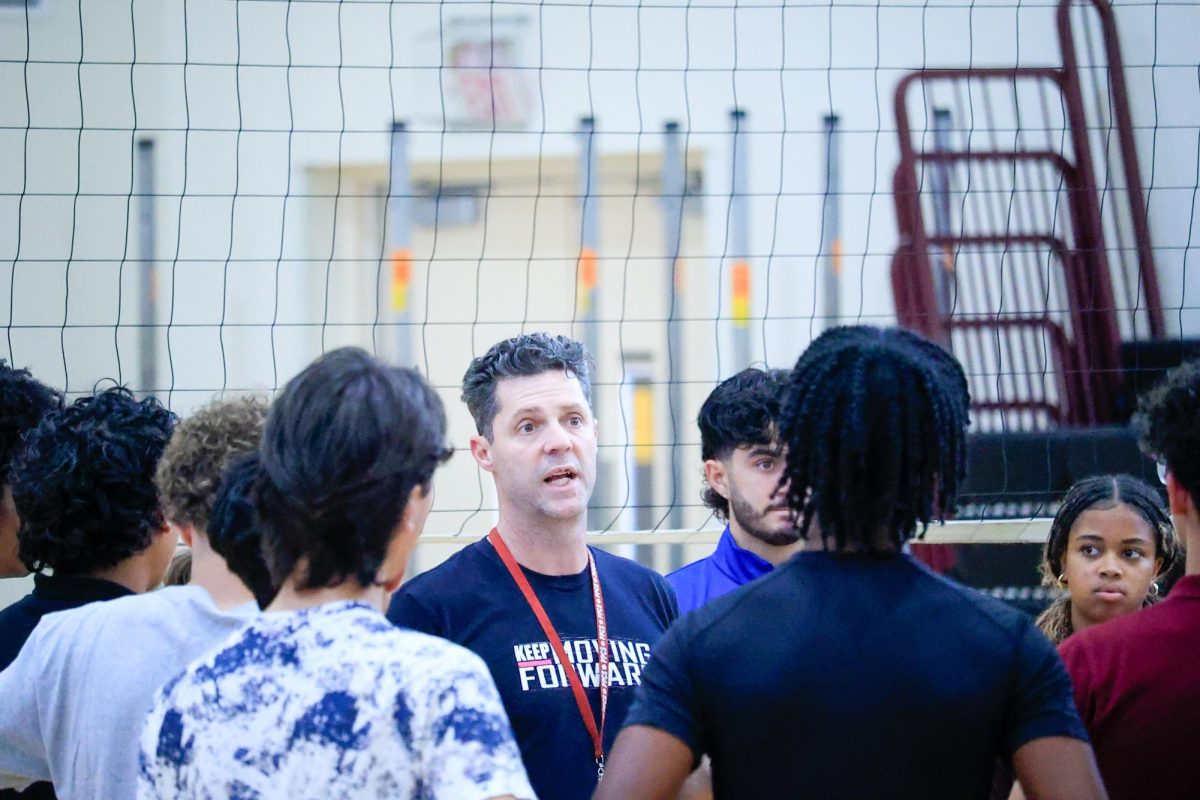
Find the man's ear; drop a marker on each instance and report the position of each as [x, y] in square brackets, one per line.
[1178, 498]
[481, 449]
[716, 476]
[185, 532]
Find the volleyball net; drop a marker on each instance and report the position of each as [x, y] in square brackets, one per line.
[197, 198]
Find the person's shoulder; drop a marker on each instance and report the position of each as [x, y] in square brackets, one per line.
[18, 612]
[449, 577]
[169, 602]
[689, 572]
[611, 565]
[433, 651]
[1100, 643]
[972, 606]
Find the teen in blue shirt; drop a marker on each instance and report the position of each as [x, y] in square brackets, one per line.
[743, 464]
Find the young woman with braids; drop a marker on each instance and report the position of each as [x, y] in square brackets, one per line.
[853, 671]
[1110, 542]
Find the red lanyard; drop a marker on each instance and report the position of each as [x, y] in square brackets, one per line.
[585, 708]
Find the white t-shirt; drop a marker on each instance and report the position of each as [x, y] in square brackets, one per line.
[331, 702]
[73, 704]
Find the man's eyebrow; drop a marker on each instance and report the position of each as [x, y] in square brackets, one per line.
[765, 450]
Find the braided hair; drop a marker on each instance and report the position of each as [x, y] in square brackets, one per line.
[874, 425]
[1100, 492]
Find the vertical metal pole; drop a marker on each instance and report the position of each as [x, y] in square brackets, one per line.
[400, 242]
[589, 238]
[147, 294]
[831, 230]
[942, 257]
[586, 279]
[674, 185]
[739, 245]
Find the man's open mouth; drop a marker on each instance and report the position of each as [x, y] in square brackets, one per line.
[560, 477]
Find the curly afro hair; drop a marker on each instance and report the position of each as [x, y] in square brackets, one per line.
[83, 483]
[203, 445]
[23, 402]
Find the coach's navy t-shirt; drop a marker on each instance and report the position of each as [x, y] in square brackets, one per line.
[472, 601]
[855, 677]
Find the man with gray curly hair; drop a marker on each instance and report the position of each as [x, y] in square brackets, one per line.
[73, 704]
[564, 628]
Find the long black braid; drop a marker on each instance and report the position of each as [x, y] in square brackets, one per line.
[874, 422]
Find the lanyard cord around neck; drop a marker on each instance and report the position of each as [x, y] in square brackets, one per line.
[585, 708]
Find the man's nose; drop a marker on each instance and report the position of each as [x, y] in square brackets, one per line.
[556, 438]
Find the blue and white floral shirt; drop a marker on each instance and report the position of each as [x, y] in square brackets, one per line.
[331, 702]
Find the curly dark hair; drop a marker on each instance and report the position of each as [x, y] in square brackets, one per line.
[189, 472]
[346, 442]
[23, 402]
[1104, 491]
[527, 354]
[83, 483]
[233, 531]
[742, 410]
[1168, 422]
[874, 423]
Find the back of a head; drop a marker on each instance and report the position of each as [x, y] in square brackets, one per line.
[346, 442]
[874, 422]
[234, 533]
[23, 403]
[203, 445]
[1168, 421]
[84, 482]
[742, 410]
[524, 355]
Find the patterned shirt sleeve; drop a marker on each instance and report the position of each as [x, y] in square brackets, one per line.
[468, 749]
[149, 767]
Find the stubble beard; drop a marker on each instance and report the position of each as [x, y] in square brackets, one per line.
[753, 523]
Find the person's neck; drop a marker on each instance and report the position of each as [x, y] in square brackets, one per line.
[546, 546]
[1078, 623]
[289, 598]
[773, 554]
[211, 573]
[133, 573]
[1188, 531]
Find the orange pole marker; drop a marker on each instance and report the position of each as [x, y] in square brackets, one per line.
[585, 279]
[401, 278]
[741, 293]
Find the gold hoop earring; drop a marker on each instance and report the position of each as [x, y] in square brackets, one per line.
[1062, 581]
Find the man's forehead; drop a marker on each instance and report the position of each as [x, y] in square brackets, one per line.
[553, 388]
